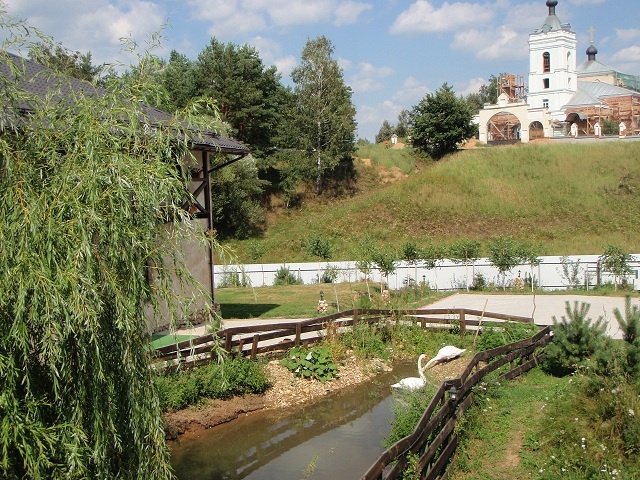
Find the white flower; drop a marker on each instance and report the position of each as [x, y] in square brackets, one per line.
[309, 356]
[632, 413]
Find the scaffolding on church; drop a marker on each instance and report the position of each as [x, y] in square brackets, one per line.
[512, 85]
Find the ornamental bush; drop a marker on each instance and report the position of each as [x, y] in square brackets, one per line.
[575, 340]
[313, 363]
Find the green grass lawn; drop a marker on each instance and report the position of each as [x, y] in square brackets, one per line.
[301, 301]
[570, 199]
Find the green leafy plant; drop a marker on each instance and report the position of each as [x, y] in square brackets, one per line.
[575, 339]
[509, 332]
[237, 376]
[285, 277]
[318, 245]
[630, 326]
[615, 261]
[311, 363]
[504, 254]
[570, 271]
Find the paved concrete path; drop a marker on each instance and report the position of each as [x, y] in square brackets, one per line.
[544, 309]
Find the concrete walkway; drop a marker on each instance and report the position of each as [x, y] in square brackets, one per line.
[544, 308]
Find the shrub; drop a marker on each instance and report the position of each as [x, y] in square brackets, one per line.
[368, 341]
[233, 278]
[312, 363]
[330, 274]
[493, 336]
[630, 326]
[285, 277]
[616, 261]
[575, 340]
[237, 376]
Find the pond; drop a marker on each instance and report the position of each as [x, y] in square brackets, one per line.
[337, 437]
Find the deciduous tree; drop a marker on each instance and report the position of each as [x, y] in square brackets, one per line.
[323, 114]
[440, 122]
[85, 195]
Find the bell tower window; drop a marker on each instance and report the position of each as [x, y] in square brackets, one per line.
[545, 83]
[546, 62]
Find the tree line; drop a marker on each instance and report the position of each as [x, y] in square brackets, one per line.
[300, 137]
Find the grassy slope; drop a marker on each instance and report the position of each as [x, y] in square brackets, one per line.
[571, 198]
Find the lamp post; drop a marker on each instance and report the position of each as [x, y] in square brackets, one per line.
[453, 394]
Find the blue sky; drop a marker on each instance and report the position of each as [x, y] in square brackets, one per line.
[392, 52]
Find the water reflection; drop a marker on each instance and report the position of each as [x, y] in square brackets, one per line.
[338, 437]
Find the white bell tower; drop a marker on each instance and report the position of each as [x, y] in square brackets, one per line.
[552, 65]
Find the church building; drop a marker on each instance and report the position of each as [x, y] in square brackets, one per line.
[563, 99]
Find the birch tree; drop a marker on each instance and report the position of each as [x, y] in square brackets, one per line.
[324, 115]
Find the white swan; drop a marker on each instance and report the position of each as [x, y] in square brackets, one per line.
[445, 354]
[412, 383]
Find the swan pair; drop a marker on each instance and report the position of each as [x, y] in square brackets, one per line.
[444, 355]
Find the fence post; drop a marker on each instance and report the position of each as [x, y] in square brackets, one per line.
[463, 322]
[254, 346]
[355, 319]
[227, 341]
[298, 333]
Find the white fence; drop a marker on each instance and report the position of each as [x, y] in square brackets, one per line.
[448, 275]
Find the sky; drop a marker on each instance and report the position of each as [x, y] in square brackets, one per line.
[392, 52]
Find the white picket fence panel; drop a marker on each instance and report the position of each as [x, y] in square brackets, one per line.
[447, 276]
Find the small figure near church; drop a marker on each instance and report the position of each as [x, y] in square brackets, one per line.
[622, 127]
[597, 130]
[574, 129]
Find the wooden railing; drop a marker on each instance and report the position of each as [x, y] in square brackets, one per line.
[434, 439]
[252, 340]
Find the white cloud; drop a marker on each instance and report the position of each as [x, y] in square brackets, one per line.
[367, 77]
[471, 86]
[627, 55]
[92, 25]
[627, 34]
[370, 117]
[411, 92]
[285, 64]
[271, 53]
[347, 13]
[423, 17]
[501, 44]
[586, 2]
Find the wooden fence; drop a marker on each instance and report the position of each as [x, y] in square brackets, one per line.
[434, 439]
[255, 339]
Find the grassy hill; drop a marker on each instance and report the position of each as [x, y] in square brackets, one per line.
[569, 198]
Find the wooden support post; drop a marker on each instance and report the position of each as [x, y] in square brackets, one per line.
[298, 333]
[227, 341]
[463, 323]
[254, 346]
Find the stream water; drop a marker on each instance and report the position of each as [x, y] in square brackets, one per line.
[337, 437]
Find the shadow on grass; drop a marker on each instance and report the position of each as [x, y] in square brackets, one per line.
[246, 310]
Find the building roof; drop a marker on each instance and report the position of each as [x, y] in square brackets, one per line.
[593, 67]
[552, 23]
[41, 81]
[593, 93]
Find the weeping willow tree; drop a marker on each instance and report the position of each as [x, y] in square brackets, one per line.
[87, 186]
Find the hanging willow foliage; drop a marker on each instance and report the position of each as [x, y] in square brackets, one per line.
[86, 189]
